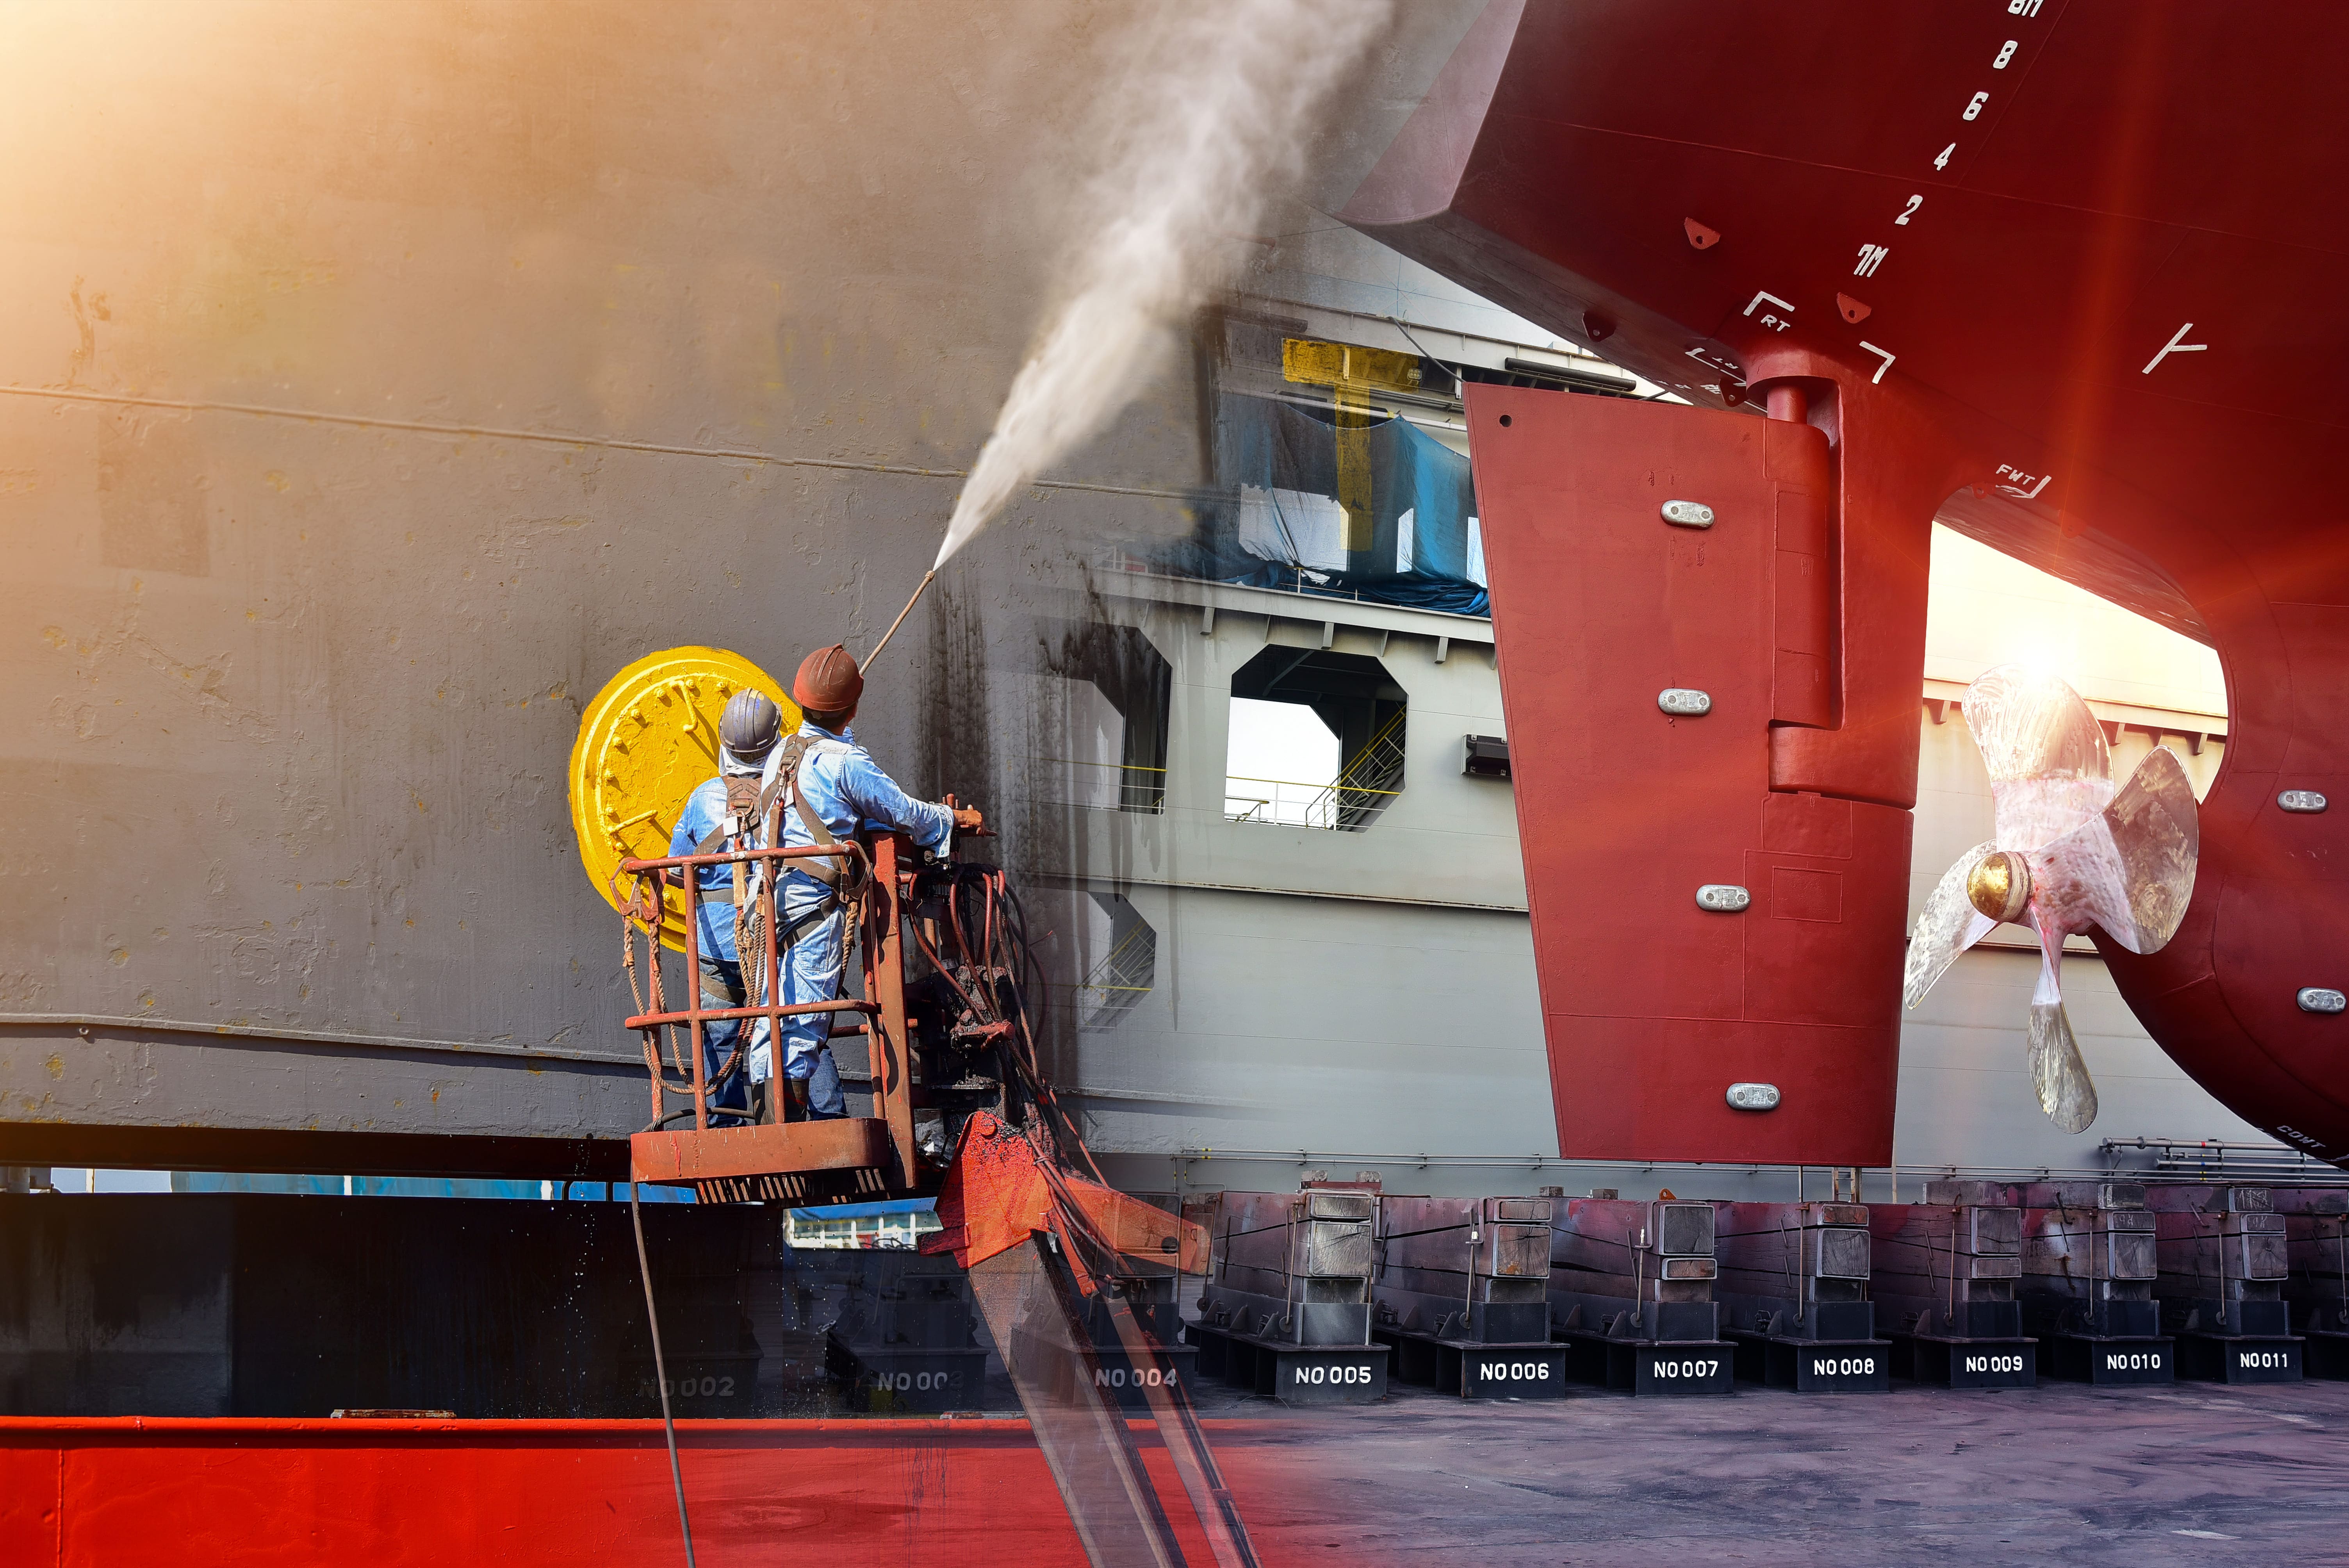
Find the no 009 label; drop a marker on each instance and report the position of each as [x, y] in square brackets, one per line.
[2263, 1360]
[1993, 1363]
[1323, 1375]
[1119, 1378]
[1843, 1366]
[1513, 1371]
[2133, 1361]
[1707, 1367]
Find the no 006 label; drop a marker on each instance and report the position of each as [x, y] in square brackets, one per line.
[2133, 1361]
[1699, 1369]
[1513, 1371]
[1993, 1363]
[1119, 1378]
[1339, 1375]
[1843, 1366]
[2263, 1360]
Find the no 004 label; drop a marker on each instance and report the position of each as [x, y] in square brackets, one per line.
[1318, 1376]
[1513, 1371]
[1119, 1378]
[1993, 1363]
[1843, 1366]
[2133, 1361]
[1698, 1368]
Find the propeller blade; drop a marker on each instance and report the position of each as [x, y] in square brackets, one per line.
[2058, 1072]
[1946, 927]
[2158, 831]
[2030, 724]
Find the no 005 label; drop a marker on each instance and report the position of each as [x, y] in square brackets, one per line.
[2263, 1360]
[1119, 1378]
[2133, 1361]
[1693, 1368]
[1318, 1375]
[1843, 1366]
[1513, 1371]
[1993, 1363]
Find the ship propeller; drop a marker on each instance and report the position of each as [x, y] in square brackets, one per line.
[2069, 854]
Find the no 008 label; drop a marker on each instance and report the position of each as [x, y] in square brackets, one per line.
[1704, 1368]
[1993, 1363]
[1325, 1375]
[1513, 1371]
[2263, 1360]
[1843, 1366]
[2133, 1361]
[1119, 1378]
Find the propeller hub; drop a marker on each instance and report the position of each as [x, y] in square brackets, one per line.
[2000, 885]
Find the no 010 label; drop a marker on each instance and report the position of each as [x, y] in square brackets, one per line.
[1513, 1371]
[1119, 1378]
[1701, 1367]
[1993, 1363]
[1318, 1376]
[2132, 1360]
[1843, 1366]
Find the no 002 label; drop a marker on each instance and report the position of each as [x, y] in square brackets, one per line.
[1993, 1363]
[2263, 1360]
[688, 1388]
[1513, 1371]
[2133, 1361]
[1318, 1376]
[1704, 1368]
[1843, 1366]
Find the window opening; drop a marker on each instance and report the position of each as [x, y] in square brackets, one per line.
[1335, 760]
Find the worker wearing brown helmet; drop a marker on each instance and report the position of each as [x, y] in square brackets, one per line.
[820, 786]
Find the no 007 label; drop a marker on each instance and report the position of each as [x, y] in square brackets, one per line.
[1339, 1375]
[1843, 1366]
[1699, 1369]
[1513, 1371]
[1993, 1363]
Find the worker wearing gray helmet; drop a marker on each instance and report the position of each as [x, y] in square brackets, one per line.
[720, 813]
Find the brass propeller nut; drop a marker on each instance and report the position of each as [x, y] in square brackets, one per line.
[2000, 885]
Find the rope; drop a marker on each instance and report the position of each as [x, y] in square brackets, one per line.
[660, 1366]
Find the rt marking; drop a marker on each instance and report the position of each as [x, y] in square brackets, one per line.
[1881, 368]
[2177, 345]
[1870, 258]
[1910, 211]
[1775, 323]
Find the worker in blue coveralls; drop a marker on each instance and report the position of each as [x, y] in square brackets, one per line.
[722, 809]
[822, 786]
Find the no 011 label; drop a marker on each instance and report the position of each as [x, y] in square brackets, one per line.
[2263, 1360]
[1321, 1376]
[1993, 1363]
[2132, 1360]
[1703, 1367]
[1843, 1366]
[1513, 1371]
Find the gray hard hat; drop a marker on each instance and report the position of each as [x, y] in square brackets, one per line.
[751, 725]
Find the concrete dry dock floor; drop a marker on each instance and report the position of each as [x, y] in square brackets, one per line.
[2200, 1473]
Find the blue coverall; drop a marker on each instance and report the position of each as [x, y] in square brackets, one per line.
[847, 789]
[704, 810]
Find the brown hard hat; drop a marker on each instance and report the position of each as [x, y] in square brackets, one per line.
[828, 681]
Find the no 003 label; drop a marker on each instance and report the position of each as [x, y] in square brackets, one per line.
[1513, 1371]
[1993, 1363]
[2263, 1360]
[1318, 1375]
[917, 1382]
[1843, 1366]
[1705, 1369]
[2133, 1361]
[1119, 1378]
